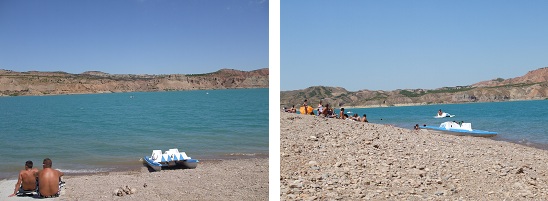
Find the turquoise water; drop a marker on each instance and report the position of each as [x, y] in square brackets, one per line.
[103, 132]
[517, 121]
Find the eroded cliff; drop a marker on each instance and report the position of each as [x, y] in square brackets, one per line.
[532, 86]
[49, 83]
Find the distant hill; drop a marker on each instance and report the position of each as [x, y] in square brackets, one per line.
[533, 85]
[49, 83]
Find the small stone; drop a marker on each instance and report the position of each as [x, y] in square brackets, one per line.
[296, 184]
[519, 171]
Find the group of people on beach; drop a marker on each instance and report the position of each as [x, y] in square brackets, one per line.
[45, 182]
[326, 111]
[354, 117]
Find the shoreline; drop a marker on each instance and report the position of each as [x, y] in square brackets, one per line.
[422, 104]
[136, 165]
[336, 159]
[236, 179]
[119, 92]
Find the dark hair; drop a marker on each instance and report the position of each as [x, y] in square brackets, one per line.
[364, 115]
[342, 108]
[29, 164]
[47, 162]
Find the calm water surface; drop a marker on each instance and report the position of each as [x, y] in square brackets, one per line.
[103, 132]
[517, 121]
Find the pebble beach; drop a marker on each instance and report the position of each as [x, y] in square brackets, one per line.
[332, 159]
[238, 179]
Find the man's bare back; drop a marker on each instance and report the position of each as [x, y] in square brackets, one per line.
[27, 179]
[48, 180]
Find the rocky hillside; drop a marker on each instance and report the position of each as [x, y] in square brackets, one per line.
[44, 83]
[533, 85]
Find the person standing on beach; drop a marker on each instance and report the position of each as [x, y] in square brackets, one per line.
[305, 105]
[48, 180]
[341, 113]
[27, 179]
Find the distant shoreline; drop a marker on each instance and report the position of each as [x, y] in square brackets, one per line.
[92, 82]
[120, 92]
[422, 104]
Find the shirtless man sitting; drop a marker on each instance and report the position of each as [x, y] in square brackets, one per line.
[27, 179]
[48, 180]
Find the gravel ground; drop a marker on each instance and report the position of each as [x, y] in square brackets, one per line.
[239, 179]
[332, 159]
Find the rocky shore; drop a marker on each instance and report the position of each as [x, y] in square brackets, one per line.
[242, 179]
[239, 179]
[332, 159]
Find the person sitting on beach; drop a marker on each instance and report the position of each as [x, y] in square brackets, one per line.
[27, 179]
[328, 112]
[416, 127]
[356, 117]
[341, 114]
[325, 110]
[364, 118]
[48, 180]
[331, 113]
[320, 108]
[293, 109]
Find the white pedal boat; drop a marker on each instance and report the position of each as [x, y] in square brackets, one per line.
[170, 158]
[461, 129]
[443, 115]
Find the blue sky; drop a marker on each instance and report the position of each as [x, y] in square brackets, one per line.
[387, 45]
[133, 36]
